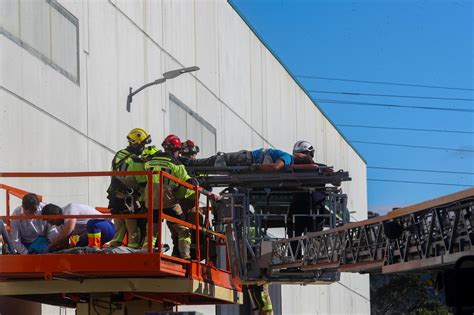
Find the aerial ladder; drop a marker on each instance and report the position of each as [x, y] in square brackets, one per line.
[432, 236]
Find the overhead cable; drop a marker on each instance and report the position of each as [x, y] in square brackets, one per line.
[408, 129]
[394, 95]
[451, 109]
[418, 170]
[387, 83]
[413, 182]
[411, 146]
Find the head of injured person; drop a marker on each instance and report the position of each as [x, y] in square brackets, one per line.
[303, 152]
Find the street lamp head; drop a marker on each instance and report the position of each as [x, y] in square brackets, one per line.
[174, 73]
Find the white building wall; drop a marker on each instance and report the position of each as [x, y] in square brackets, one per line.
[50, 123]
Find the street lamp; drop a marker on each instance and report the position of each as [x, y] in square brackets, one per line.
[166, 76]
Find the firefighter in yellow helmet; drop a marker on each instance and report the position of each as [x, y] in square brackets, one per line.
[125, 193]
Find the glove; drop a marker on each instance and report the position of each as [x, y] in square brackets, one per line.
[193, 181]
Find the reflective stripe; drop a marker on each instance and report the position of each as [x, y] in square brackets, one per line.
[93, 239]
[185, 239]
[94, 234]
[145, 244]
[133, 245]
[267, 308]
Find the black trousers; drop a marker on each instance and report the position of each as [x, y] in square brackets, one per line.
[240, 158]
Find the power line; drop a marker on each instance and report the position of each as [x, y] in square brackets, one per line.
[409, 129]
[411, 146]
[386, 83]
[394, 105]
[418, 170]
[413, 182]
[394, 95]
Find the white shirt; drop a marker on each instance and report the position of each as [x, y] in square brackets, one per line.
[79, 209]
[28, 230]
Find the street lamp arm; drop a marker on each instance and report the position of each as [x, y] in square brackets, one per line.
[131, 94]
[159, 81]
[167, 75]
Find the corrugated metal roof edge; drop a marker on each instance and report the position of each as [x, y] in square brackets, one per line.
[236, 9]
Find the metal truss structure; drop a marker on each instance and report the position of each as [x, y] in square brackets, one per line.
[431, 235]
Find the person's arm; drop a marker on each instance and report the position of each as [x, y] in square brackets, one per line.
[51, 232]
[278, 165]
[64, 234]
[180, 172]
[15, 236]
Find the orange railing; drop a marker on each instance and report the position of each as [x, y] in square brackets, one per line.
[196, 226]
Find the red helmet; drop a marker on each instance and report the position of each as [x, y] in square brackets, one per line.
[172, 143]
[189, 148]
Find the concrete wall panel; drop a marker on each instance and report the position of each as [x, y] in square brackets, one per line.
[234, 61]
[183, 87]
[40, 84]
[256, 81]
[154, 96]
[47, 145]
[133, 10]
[104, 104]
[206, 43]
[208, 107]
[273, 118]
[237, 135]
[179, 30]
[288, 114]
[154, 20]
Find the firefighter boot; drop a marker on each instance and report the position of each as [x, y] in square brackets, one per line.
[133, 233]
[184, 246]
[145, 241]
[120, 230]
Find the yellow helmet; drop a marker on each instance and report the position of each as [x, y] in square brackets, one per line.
[138, 136]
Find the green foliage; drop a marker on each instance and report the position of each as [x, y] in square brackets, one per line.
[404, 294]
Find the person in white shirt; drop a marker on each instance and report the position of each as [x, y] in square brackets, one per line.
[91, 232]
[24, 232]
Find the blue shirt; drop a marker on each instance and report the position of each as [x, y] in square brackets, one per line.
[274, 154]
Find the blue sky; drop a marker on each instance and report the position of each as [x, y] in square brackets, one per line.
[411, 42]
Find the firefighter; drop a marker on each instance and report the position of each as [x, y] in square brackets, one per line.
[168, 161]
[261, 296]
[189, 152]
[125, 192]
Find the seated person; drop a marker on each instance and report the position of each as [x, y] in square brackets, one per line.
[25, 232]
[91, 232]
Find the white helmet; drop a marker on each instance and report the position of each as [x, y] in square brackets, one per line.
[303, 147]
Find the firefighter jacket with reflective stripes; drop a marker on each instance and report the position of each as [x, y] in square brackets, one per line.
[166, 162]
[124, 160]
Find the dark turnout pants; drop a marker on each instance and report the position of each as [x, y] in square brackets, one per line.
[299, 215]
[240, 158]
